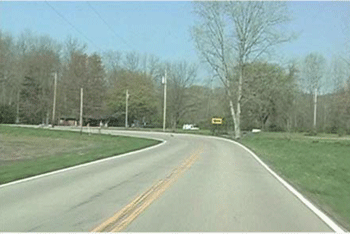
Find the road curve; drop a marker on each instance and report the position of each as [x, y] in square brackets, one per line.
[223, 188]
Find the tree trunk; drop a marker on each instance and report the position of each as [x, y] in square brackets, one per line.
[234, 118]
[174, 125]
[47, 117]
[232, 109]
[3, 91]
[295, 115]
[239, 98]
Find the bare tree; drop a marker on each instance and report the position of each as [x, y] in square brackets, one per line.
[313, 69]
[112, 60]
[339, 73]
[230, 34]
[71, 46]
[180, 77]
[153, 66]
[132, 60]
[6, 60]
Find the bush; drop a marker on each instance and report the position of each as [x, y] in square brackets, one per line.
[341, 132]
[331, 129]
[275, 128]
[311, 133]
[7, 114]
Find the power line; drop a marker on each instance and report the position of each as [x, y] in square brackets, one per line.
[110, 28]
[76, 29]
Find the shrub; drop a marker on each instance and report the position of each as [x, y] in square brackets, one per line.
[341, 132]
[7, 114]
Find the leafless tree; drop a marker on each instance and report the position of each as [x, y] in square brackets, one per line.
[313, 72]
[132, 60]
[181, 76]
[153, 66]
[230, 34]
[112, 60]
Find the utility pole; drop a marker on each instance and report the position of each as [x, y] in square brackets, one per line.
[17, 115]
[81, 110]
[54, 102]
[164, 114]
[126, 108]
[315, 108]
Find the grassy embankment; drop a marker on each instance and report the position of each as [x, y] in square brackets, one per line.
[26, 152]
[318, 167]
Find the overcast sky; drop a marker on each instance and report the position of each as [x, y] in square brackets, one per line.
[162, 28]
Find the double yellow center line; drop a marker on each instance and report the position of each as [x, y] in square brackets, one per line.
[125, 216]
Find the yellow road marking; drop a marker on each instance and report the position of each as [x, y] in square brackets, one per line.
[125, 216]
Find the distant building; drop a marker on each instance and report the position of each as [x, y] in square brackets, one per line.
[68, 121]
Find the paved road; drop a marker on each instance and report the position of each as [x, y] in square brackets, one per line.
[222, 189]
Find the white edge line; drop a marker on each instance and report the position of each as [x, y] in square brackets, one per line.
[85, 164]
[306, 202]
[312, 207]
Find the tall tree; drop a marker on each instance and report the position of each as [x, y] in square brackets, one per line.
[132, 61]
[234, 33]
[269, 93]
[142, 106]
[180, 77]
[313, 71]
[41, 60]
[7, 58]
[73, 79]
[95, 86]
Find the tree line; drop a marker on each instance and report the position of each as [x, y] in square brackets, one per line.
[234, 39]
[29, 63]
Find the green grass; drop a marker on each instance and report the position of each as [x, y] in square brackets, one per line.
[319, 168]
[26, 152]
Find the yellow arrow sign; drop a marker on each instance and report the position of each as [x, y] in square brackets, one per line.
[216, 120]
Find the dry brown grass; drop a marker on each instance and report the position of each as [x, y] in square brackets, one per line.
[27, 147]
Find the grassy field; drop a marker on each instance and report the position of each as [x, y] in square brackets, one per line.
[27, 152]
[318, 167]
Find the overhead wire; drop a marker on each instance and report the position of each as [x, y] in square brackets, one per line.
[75, 28]
[109, 27]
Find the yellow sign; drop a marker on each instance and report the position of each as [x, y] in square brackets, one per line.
[216, 120]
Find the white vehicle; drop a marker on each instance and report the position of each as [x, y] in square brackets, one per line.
[189, 127]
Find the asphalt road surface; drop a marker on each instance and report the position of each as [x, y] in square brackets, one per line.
[198, 184]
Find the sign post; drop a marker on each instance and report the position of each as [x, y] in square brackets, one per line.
[216, 122]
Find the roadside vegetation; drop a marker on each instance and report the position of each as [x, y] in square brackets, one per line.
[27, 152]
[245, 86]
[316, 166]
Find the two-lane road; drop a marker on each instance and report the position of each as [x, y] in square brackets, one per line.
[206, 184]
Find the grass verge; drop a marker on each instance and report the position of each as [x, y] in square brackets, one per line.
[26, 152]
[319, 168]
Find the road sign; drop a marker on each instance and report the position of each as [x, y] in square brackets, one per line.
[216, 120]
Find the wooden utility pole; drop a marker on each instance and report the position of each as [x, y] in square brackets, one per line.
[164, 113]
[17, 115]
[126, 108]
[54, 102]
[315, 109]
[81, 110]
